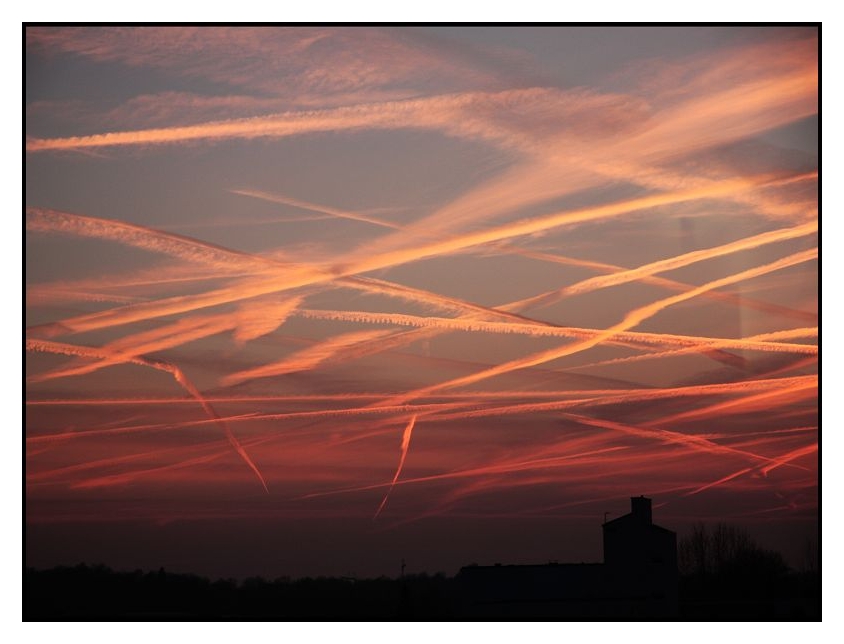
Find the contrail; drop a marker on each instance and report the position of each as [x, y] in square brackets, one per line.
[600, 398]
[767, 432]
[303, 360]
[343, 214]
[725, 479]
[250, 322]
[308, 397]
[672, 263]
[117, 460]
[798, 364]
[786, 458]
[716, 116]
[174, 274]
[444, 302]
[115, 479]
[695, 442]
[438, 112]
[47, 220]
[111, 355]
[665, 265]
[306, 276]
[36, 295]
[224, 259]
[692, 343]
[632, 319]
[618, 276]
[405, 445]
[788, 334]
[87, 352]
[798, 390]
[445, 411]
[480, 471]
[240, 223]
[775, 463]
[747, 302]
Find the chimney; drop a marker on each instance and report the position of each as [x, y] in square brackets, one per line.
[641, 509]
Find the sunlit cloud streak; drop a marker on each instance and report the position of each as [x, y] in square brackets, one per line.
[295, 66]
[766, 433]
[222, 259]
[405, 445]
[46, 220]
[669, 264]
[53, 294]
[178, 375]
[603, 267]
[481, 395]
[251, 321]
[618, 275]
[621, 276]
[583, 458]
[303, 360]
[463, 181]
[687, 440]
[251, 416]
[70, 470]
[306, 276]
[694, 344]
[712, 113]
[142, 282]
[126, 477]
[787, 458]
[787, 334]
[775, 463]
[470, 402]
[800, 390]
[439, 112]
[621, 396]
[632, 319]
[289, 201]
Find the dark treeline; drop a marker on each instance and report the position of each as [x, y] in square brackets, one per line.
[93, 592]
[724, 575]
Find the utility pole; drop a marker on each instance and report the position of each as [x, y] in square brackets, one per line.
[402, 568]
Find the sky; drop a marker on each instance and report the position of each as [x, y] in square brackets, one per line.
[314, 300]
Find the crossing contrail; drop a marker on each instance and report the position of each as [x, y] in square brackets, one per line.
[87, 352]
[632, 319]
[300, 276]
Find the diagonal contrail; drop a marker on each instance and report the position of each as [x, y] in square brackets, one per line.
[187, 385]
[300, 276]
[632, 319]
[405, 445]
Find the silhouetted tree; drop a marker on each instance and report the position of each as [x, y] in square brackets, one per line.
[724, 561]
[810, 556]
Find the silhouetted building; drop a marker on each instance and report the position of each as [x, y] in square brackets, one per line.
[638, 579]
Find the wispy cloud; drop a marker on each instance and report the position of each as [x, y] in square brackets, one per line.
[587, 196]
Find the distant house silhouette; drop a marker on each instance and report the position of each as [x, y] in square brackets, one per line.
[638, 579]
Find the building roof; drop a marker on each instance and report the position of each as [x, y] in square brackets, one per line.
[631, 519]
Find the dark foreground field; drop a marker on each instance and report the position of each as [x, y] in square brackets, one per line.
[98, 593]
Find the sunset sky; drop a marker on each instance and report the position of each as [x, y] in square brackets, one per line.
[313, 300]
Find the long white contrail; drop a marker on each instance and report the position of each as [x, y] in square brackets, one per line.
[691, 343]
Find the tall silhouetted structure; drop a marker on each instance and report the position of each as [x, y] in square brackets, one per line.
[638, 578]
